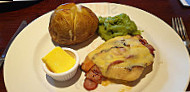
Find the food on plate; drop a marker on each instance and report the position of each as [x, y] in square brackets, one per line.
[58, 60]
[61, 64]
[71, 24]
[120, 58]
[119, 25]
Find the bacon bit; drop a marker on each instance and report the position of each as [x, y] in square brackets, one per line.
[94, 74]
[151, 49]
[122, 50]
[89, 84]
[130, 56]
[87, 65]
[128, 45]
[114, 63]
[93, 77]
[139, 36]
[143, 41]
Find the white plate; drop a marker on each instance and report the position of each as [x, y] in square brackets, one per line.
[23, 71]
[185, 2]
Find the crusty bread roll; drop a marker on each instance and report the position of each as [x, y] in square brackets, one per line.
[71, 24]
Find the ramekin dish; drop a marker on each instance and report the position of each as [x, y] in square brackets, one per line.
[67, 74]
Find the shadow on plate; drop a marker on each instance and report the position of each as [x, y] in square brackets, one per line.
[79, 45]
[16, 5]
[62, 84]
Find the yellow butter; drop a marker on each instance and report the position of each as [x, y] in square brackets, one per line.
[58, 60]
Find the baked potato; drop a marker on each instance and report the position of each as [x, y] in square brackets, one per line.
[71, 24]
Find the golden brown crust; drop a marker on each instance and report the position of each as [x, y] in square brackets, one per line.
[70, 24]
[55, 26]
[65, 6]
[85, 24]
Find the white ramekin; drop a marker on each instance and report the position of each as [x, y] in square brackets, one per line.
[67, 74]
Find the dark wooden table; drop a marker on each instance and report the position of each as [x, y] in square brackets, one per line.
[12, 14]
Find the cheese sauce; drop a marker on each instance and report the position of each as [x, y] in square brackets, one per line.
[126, 49]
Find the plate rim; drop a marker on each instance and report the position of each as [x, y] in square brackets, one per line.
[100, 3]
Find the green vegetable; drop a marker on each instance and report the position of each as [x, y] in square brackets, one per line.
[119, 25]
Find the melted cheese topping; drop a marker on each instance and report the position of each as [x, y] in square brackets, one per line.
[124, 48]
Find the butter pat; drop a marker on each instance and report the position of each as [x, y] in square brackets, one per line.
[58, 60]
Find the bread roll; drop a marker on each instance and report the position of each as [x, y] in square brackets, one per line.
[71, 24]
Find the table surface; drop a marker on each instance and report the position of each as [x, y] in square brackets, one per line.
[13, 13]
